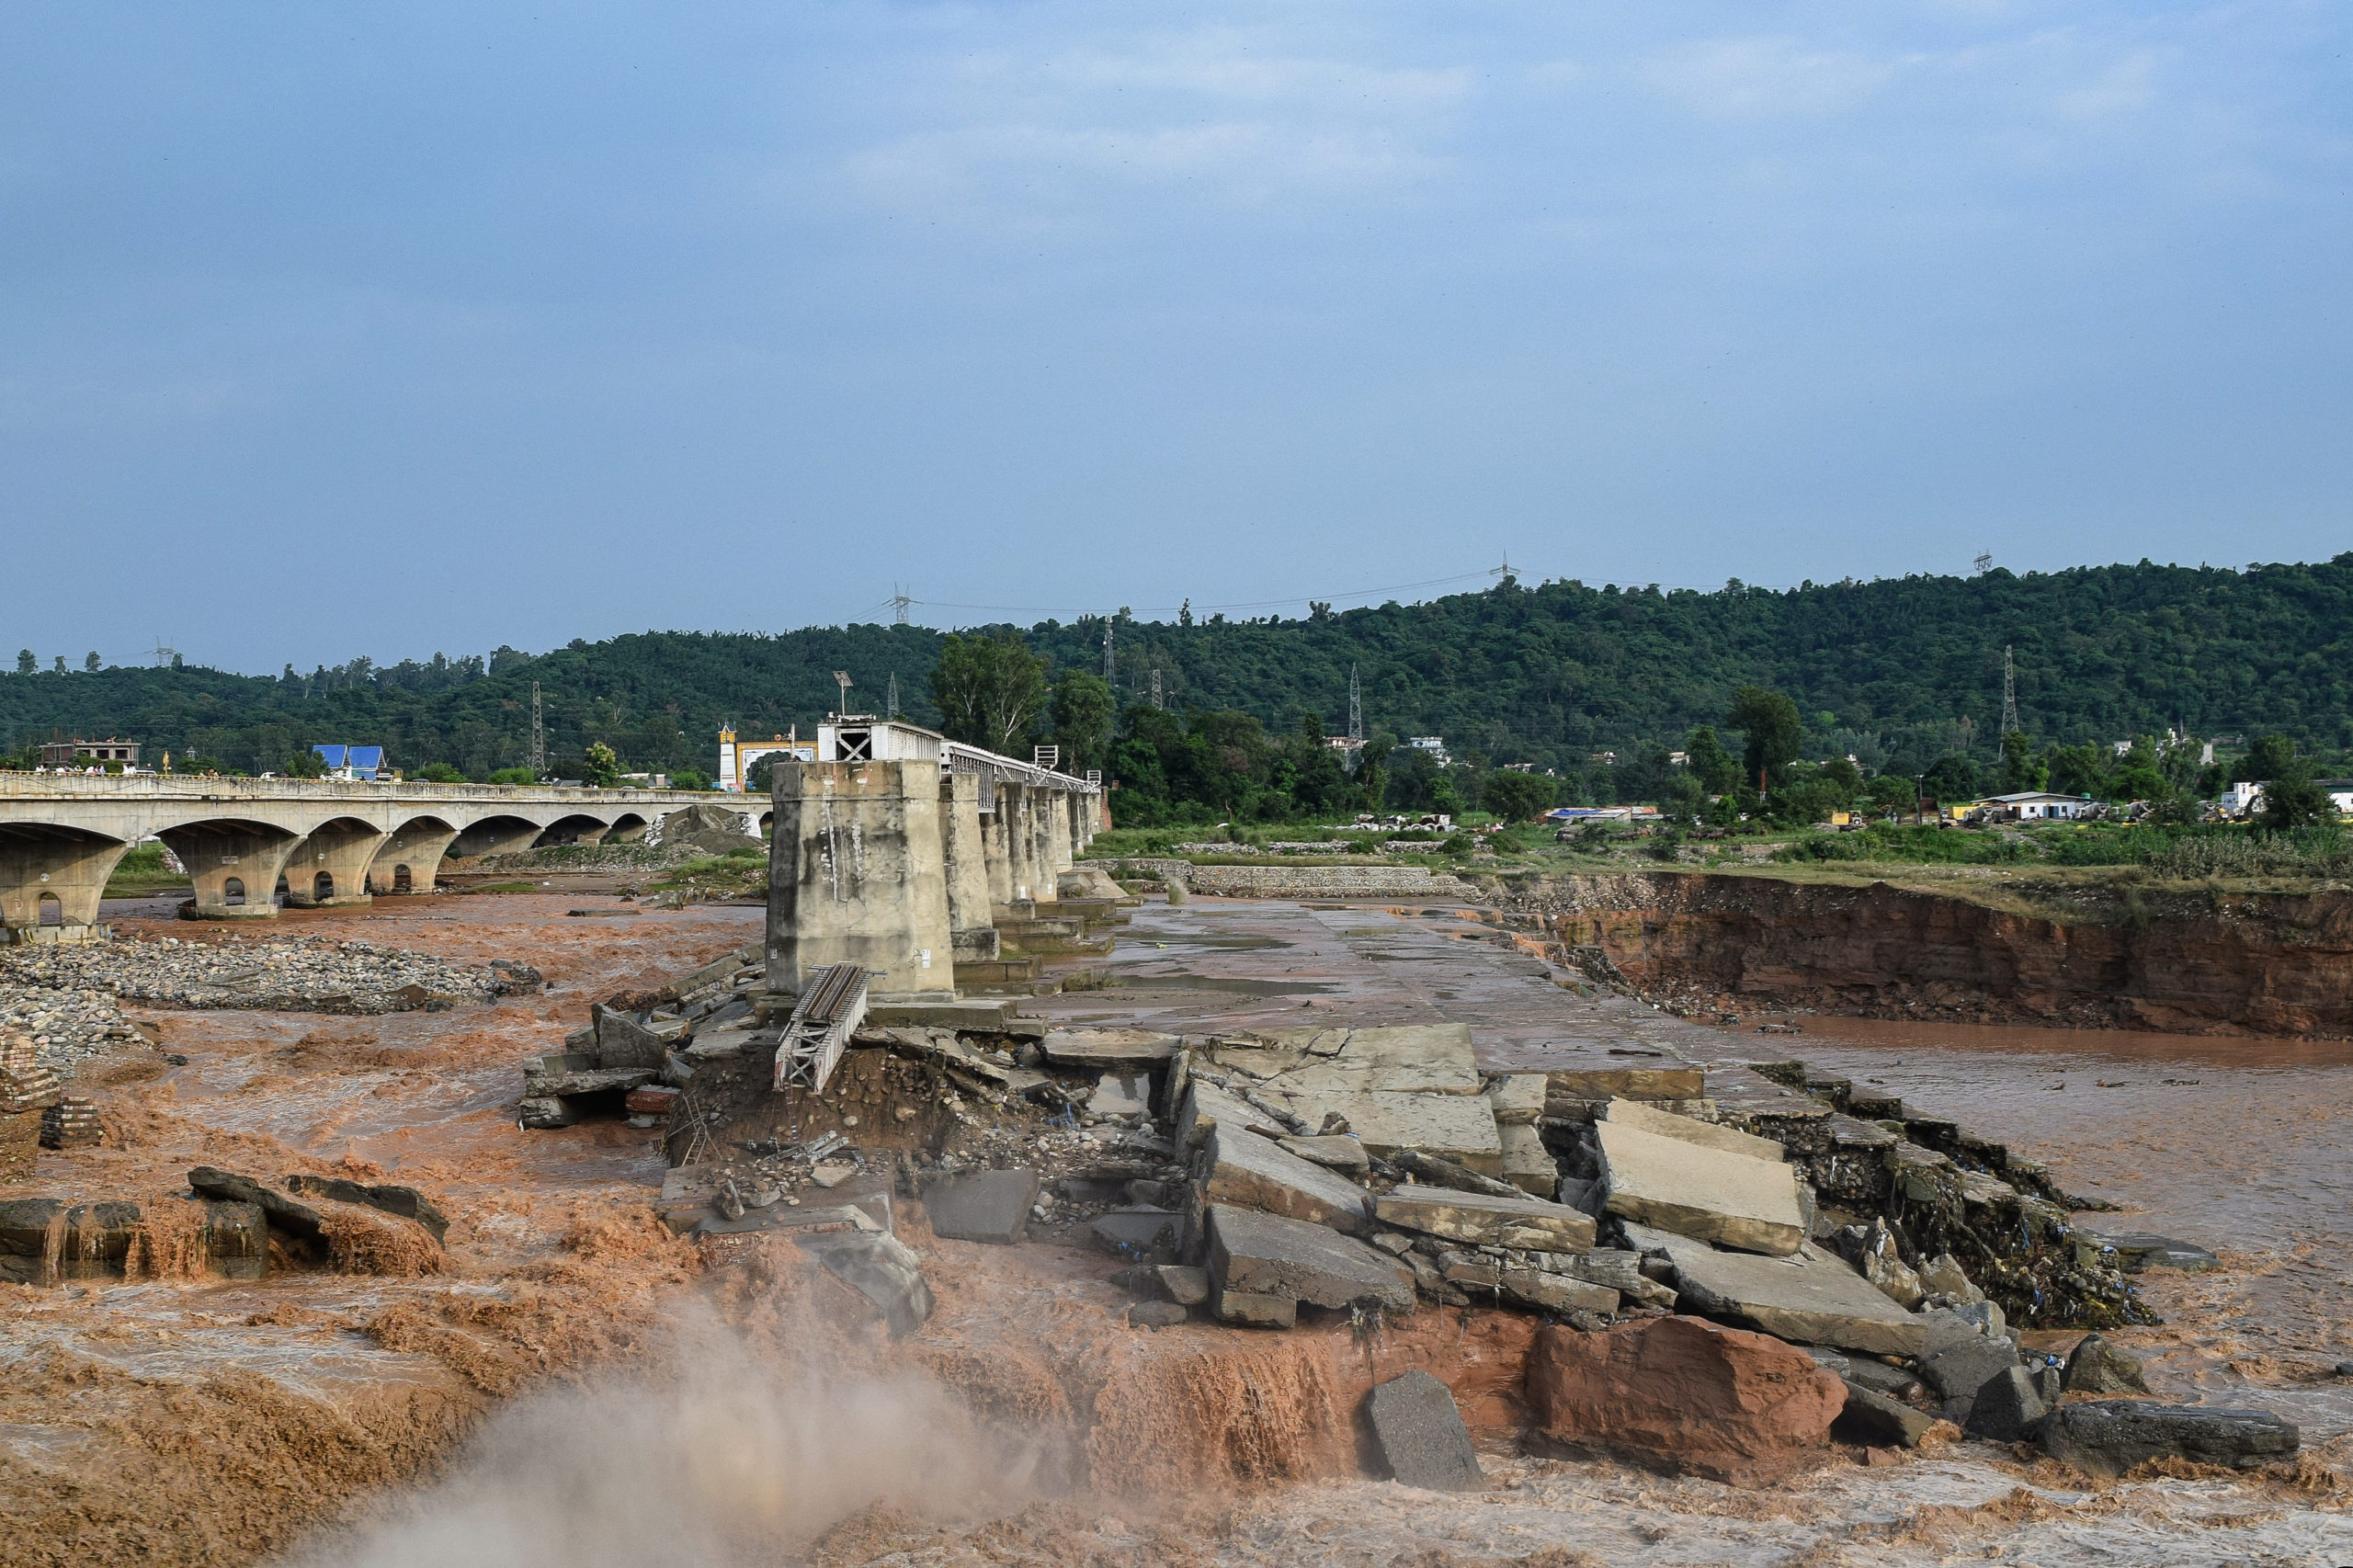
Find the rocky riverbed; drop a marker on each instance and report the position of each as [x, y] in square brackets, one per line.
[68, 998]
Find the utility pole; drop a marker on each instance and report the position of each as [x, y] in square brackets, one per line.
[539, 733]
[2009, 693]
[1356, 721]
[1156, 688]
[841, 678]
[890, 702]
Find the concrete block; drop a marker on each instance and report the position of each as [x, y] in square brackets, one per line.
[1244, 1169]
[1705, 1134]
[1958, 1368]
[1152, 1233]
[1528, 1223]
[1185, 1285]
[1629, 1082]
[881, 1267]
[1527, 1163]
[1420, 1435]
[1340, 1152]
[982, 1206]
[623, 1043]
[1810, 1297]
[1879, 1419]
[1704, 1193]
[1550, 1293]
[1254, 1309]
[1454, 1127]
[2006, 1407]
[1109, 1048]
[966, 1016]
[1269, 1255]
[1516, 1097]
[1416, 1059]
[2108, 1438]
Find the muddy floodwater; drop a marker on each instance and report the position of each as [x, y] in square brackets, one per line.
[578, 1387]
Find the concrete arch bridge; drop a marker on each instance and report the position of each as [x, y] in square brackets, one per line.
[60, 836]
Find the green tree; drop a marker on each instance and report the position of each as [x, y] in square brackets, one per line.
[1083, 710]
[303, 762]
[1516, 797]
[61, 666]
[1952, 781]
[989, 691]
[90, 662]
[2078, 769]
[439, 773]
[26, 663]
[2271, 757]
[690, 778]
[1710, 763]
[513, 775]
[2020, 770]
[600, 766]
[1769, 720]
[2137, 776]
[2292, 799]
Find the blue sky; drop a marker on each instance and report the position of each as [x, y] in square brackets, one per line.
[395, 329]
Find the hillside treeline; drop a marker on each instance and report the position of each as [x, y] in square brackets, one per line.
[1899, 672]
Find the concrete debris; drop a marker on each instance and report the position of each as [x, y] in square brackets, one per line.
[1706, 1193]
[1243, 1169]
[1526, 1162]
[297, 1220]
[1622, 1112]
[1516, 1098]
[1418, 1058]
[1154, 1234]
[1958, 1369]
[405, 1201]
[1680, 1395]
[1109, 1048]
[70, 1122]
[1942, 1278]
[1878, 1418]
[1459, 1128]
[2096, 1367]
[1157, 1314]
[1187, 1286]
[1811, 1297]
[1340, 1153]
[1262, 1266]
[2110, 1438]
[1526, 1224]
[1420, 1436]
[982, 1206]
[1432, 1170]
[881, 1267]
[1121, 1095]
[1543, 1290]
[2006, 1407]
[2134, 1251]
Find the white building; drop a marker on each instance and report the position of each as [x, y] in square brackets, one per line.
[1434, 745]
[2035, 805]
[2241, 800]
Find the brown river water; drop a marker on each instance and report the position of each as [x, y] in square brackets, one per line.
[576, 1389]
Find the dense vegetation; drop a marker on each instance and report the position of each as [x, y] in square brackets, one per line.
[1903, 674]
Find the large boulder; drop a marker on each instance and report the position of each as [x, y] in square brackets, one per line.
[982, 1205]
[1680, 1395]
[2096, 1367]
[2110, 1437]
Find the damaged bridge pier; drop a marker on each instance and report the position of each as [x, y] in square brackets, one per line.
[909, 853]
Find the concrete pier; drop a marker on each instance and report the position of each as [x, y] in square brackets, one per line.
[971, 932]
[330, 868]
[858, 874]
[995, 844]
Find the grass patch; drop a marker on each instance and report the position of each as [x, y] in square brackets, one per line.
[142, 871]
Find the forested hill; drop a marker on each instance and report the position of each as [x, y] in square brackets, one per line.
[1544, 673]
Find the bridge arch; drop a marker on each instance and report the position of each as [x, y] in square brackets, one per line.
[330, 867]
[502, 834]
[65, 866]
[408, 858]
[573, 827]
[628, 827]
[221, 850]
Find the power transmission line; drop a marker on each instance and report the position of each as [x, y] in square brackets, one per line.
[1109, 678]
[1156, 688]
[2009, 693]
[891, 702]
[539, 733]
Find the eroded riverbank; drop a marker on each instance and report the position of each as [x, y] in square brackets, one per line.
[648, 1401]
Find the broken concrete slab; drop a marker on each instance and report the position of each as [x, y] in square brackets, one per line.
[1454, 1127]
[1241, 1168]
[1704, 1193]
[296, 1218]
[982, 1205]
[1528, 1223]
[622, 1041]
[1627, 1083]
[1705, 1134]
[1526, 1162]
[1340, 1153]
[1420, 1434]
[2006, 1407]
[881, 1267]
[1877, 1418]
[1270, 1257]
[591, 1081]
[1206, 1107]
[1178, 1283]
[1550, 1292]
[1810, 1297]
[1516, 1098]
[547, 1111]
[2109, 1437]
[1255, 1309]
[1109, 1048]
[1415, 1059]
[2138, 1250]
[781, 1216]
[965, 1017]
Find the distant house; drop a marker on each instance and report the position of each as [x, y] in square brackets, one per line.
[354, 763]
[2036, 805]
[83, 754]
[1434, 745]
[2339, 792]
[2241, 800]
